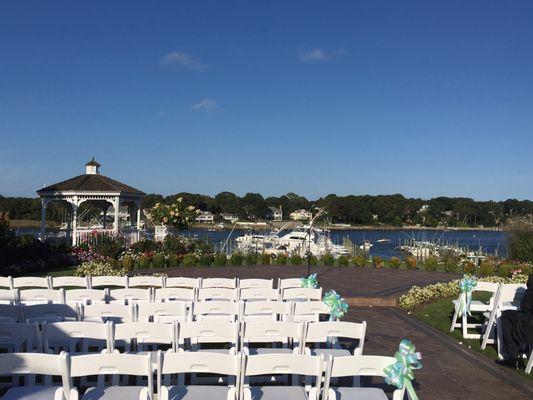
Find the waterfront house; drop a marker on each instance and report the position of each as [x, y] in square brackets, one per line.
[229, 217]
[274, 214]
[205, 217]
[301, 215]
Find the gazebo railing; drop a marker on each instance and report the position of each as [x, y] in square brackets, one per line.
[92, 236]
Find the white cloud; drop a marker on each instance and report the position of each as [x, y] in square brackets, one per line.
[205, 105]
[183, 60]
[313, 55]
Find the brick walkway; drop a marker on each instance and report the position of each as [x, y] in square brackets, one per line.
[450, 370]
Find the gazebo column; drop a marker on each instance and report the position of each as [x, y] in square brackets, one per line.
[116, 206]
[138, 203]
[44, 203]
[74, 224]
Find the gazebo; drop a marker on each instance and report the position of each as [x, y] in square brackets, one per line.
[101, 192]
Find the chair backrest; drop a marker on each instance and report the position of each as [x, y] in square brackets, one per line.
[255, 283]
[357, 366]
[33, 363]
[265, 310]
[321, 332]
[8, 296]
[68, 334]
[208, 332]
[309, 294]
[108, 281]
[105, 312]
[270, 364]
[486, 287]
[227, 283]
[175, 293]
[10, 313]
[145, 281]
[69, 281]
[31, 282]
[218, 294]
[182, 282]
[215, 310]
[49, 313]
[289, 283]
[20, 337]
[199, 362]
[511, 293]
[33, 296]
[130, 294]
[309, 311]
[258, 293]
[162, 312]
[6, 282]
[146, 333]
[272, 332]
[86, 296]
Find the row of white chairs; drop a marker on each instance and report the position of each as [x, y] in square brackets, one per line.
[126, 281]
[230, 337]
[503, 297]
[94, 296]
[238, 368]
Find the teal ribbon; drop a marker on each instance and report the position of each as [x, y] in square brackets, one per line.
[338, 307]
[400, 374]
[467, 285]
[310, 281]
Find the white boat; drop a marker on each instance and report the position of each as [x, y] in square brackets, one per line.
[384, 240]
[366, 245]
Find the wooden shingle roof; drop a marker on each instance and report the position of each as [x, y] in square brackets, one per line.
[91, 183]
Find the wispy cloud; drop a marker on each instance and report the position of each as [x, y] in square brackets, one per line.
[318, 55]
[205, 105]
[184, 60]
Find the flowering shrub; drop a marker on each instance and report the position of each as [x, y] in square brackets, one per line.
[416, 296]
[176, 215]
[94, 268]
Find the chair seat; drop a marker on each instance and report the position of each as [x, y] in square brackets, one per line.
[32, 393]
[198, 392]
[113, 393]
[277, 393]
[331, 352]
[253, 351]
[358, 393]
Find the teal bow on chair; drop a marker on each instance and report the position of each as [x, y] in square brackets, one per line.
[338, 307]
[467, 285]
[310, 282]
[400, 374]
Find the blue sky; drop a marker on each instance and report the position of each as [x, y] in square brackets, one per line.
[353, 97]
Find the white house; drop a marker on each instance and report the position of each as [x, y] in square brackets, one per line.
[301, 215]
[205, 217]
[229, 217]
[275, 214]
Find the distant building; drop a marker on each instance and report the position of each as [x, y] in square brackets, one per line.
[301, 215]
[205, 217]
[229, 217]
[424, 208]
[275, 214]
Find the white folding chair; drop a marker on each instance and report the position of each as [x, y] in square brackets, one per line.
[309, 311]
[191, 335]
[284, 337]
[321, 337]
[182, 363]
[271, 364]
[31, 282]
[9, 296]
[116, 313]
[529, 365]
[86, 296]
[265, 311]
[16, 337]
[108, 281]
[115, 365]
[258, 293]
[338, 367]
[46, 313]
[69, 281]
[255, 283]
[477, 307]
[10, 313]
[166, 312]
[175, 293]
[301, 294]
[40, 296]
[144, 336]
[129, 295]
[289, 283]
[29, 364]
[218, 294]
[227, 283]
[6, 282]
[145, 281]
[182, 282]
[215, 311]
[76, 337]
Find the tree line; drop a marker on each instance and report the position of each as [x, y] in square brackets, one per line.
[393, 209]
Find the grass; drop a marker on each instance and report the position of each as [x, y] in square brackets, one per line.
[439, 315]
[67, 271]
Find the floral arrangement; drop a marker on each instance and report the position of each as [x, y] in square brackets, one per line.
[416, 296]
[175, 215]
[95, 268]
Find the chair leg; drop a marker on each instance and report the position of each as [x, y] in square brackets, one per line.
[454, 320]
[529, 365]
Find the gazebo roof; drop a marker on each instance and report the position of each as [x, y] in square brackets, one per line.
[91, 182]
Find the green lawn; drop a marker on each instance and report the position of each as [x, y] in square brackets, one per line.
[439, 315]
[67, 271]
